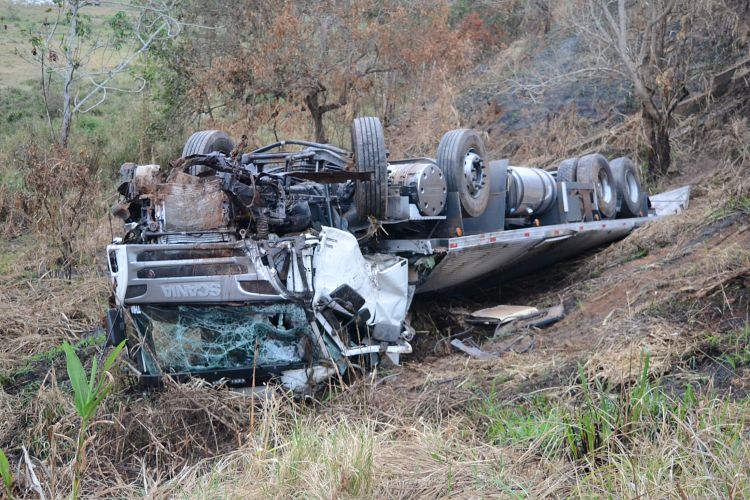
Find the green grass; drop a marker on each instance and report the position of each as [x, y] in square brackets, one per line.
[535, 422]
[638, 253]
[732, 206]
[595, 421]
[126, 127]
[19, 18]
[731, 348]
[635, 441]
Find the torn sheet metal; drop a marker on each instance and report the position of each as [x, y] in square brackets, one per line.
[518, 345]
[246, 311]
[381, 279]
[191, 203]
[671, 202]
[542, 319]
[504, 313]
[472, 351]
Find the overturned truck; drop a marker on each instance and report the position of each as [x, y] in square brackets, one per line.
[298, 261]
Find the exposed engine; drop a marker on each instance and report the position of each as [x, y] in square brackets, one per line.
[213, 198]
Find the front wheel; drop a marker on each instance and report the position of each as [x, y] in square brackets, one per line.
[368, 145]
[208, 141]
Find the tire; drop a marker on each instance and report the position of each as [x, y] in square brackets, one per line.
[630, 192]
[566, 171]
[208, 141]
[470, 181]
[368, 145]
[594, 169]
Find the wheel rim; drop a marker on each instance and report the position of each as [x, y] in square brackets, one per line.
[632, 183]
[473, 172]
[605, 188]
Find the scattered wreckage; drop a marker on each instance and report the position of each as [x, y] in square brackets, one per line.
[298, 261]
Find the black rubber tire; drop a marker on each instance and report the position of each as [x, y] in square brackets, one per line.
[594, 169]
[630, 192]
[451, 153]
[566, 171]
[368, 145]
[208, 141]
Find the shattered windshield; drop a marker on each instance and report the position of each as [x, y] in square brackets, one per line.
[184, 338]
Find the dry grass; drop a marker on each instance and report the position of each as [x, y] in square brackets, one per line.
[189, 441]
[664, 289]
[38, 314]
[347, 458]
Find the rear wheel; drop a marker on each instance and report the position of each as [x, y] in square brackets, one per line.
[460, 156]
[368, 145]
[208, 141]
[566, 172]
[629, 190]
[594, 169]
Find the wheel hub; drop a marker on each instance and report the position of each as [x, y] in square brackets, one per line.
[474, 172]
[604, 187]
[633, 191]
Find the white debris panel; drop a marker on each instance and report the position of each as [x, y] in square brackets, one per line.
[381, 279]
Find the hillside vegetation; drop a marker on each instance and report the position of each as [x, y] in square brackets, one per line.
[640, 391]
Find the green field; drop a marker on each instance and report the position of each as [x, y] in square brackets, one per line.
[16, 20]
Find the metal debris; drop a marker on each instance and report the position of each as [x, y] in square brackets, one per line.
[472, 351]
[542, 319]
[503, 314]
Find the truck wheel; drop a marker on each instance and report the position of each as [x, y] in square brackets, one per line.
[368, 144]
[629, 190]
[566, 172]
[594, 169]
[208, 141]
[460, 156]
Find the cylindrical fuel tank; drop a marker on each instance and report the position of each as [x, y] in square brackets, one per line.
[530, 191]
[423, 183]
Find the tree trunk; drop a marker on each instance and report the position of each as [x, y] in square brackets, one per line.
[660, 151]
[316, 113]
[70, 69]
[67, 117]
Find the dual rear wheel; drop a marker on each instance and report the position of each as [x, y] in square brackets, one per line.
[617, 185]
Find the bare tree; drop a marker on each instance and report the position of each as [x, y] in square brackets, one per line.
[323, 55]
[91, 61]
[652, 47]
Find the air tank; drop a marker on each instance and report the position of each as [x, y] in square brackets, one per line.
[531, 191]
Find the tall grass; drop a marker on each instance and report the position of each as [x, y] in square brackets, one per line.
[637, 441]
